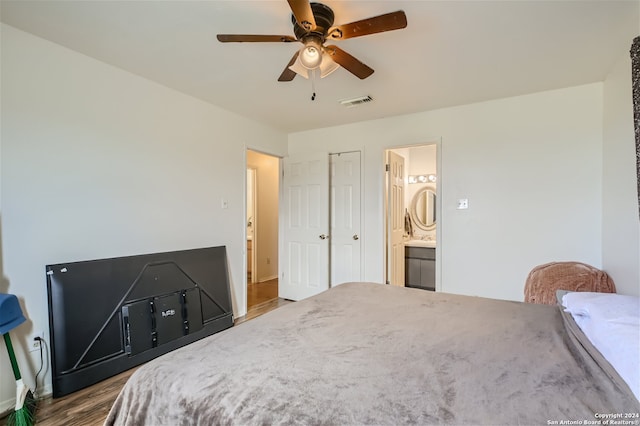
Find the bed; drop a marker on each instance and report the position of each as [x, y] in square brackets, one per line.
[364, 353]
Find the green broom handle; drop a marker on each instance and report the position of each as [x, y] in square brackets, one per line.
[12, 356]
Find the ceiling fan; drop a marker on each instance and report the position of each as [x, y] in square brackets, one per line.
[313, 26]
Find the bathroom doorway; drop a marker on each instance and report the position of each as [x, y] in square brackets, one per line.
[411, 181]
[262, 189]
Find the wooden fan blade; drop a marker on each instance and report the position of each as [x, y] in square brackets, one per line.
[239, 38]
[348, 62]
[287, 74]
[377, 24]
[301, 9]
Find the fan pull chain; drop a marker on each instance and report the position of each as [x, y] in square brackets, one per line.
[313, 84]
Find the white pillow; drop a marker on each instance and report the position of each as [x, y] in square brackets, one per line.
[612, 324]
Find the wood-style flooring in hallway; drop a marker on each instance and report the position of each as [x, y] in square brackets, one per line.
[258, 293]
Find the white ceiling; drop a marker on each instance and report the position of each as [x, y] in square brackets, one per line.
[451, 53]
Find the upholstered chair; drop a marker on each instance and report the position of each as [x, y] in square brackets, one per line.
[543, 281]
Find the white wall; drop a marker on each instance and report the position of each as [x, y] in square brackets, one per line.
[621, 224]
[98, 162]
[530, 166]
[7, 386]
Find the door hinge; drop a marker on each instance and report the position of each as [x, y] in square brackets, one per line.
[387, 167]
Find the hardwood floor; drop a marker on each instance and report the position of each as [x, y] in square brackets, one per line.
[262, 308]
[258, 293]
[90, 406]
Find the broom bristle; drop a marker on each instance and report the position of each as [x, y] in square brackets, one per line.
[26, 415]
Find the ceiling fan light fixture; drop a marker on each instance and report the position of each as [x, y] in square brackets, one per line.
[327, 66]
[299, 69]
[311, 55]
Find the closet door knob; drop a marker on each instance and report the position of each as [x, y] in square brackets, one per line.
[355, 237]
[323, 237]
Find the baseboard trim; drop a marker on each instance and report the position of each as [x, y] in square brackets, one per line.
[46, 392]
[273, 277]
[6, 407]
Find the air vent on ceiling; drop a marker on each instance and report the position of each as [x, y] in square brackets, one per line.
[350, 103]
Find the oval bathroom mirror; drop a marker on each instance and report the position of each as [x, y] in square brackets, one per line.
[423, 208]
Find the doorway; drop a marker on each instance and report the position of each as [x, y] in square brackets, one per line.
[262, 189]
[410, 172]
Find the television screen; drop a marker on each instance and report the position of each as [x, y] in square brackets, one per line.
[108, 315]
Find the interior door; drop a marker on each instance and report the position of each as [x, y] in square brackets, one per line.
[345, 217]
[395, 219]
[305, 263]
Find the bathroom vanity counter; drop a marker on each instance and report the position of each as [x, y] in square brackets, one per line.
[420, 265]
[420, 243]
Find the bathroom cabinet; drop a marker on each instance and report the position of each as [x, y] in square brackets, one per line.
[420, 267]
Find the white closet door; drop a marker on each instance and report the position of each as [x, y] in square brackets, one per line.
[305, 264]
[345, 218]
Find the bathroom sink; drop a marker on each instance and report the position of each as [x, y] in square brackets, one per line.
[420, 243]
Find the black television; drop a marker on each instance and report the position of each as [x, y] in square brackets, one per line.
[108, 315]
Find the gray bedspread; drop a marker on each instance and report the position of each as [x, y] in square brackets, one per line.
[372, 354]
